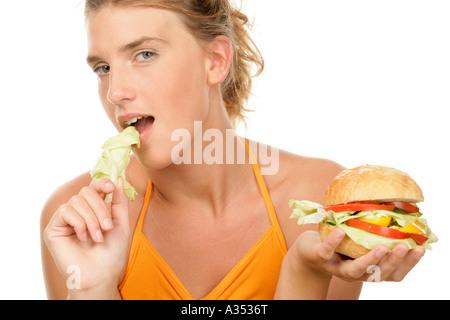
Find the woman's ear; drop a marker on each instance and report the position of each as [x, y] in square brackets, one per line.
[220, 56]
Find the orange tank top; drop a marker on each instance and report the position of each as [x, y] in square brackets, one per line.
[254, 277]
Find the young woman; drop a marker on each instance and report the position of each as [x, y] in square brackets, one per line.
[212, 231]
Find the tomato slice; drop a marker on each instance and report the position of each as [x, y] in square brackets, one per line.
[419, 239]
[404, 206]
[360, 207]
[385, 231]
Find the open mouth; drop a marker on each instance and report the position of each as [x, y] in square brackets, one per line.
[142, 124]
[139, 122]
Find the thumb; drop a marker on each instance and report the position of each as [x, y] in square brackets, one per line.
[119, 205]
[331, 243]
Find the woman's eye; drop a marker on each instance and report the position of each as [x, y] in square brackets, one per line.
[143, 56]
[102, 70]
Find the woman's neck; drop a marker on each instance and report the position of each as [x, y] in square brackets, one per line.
[204, 185]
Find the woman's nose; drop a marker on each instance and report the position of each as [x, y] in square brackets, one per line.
[120, 88]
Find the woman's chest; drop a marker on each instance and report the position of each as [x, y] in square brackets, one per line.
[202, 250]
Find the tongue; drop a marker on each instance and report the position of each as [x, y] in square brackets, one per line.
[142, 124]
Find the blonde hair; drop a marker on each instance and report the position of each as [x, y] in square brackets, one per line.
[207, 19]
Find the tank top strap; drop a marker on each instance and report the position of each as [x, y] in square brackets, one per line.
[266, 196]
[144, 206]
[138, 230]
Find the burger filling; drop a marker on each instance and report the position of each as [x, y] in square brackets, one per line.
[371, 223]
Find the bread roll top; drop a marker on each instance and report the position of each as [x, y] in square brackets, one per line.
[371, 182]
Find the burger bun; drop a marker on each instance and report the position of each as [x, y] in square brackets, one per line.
[369, 182]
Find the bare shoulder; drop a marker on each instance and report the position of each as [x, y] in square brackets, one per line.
[303, 177]
[299, 178]
[307, 176]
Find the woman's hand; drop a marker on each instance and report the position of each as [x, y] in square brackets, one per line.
[390, 266]
[92, 239]
[310, 263]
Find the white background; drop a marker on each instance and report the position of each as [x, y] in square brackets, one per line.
[353, 81]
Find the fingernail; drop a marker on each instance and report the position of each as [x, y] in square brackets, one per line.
[99, 236]
[419, 254]
[108, 185]
[401, 253]
[339, 235]
[381, 252]
[108, 224]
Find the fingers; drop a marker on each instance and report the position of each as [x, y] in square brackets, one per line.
[330, 244]
[94, 219]
[102, 186]
[379, 264]
[66, 222]
[350, 270]
[359, 269]
[119, 205]
[86, 213]
[390, 266]
[399, 262]
[97, 207]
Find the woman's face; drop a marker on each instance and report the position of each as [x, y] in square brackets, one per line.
[148, 65]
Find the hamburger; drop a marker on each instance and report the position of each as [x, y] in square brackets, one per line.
[374, 205]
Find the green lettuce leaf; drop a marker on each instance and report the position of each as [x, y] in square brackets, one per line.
[115, 159]
[307, 212]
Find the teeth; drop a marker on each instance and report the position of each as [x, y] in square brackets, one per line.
[132, 121]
